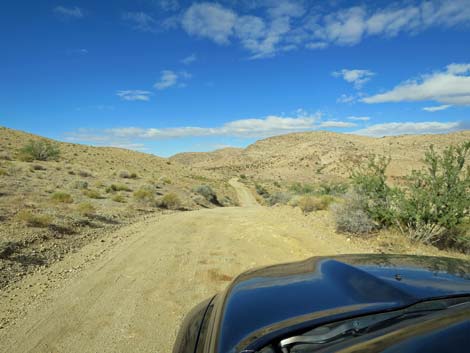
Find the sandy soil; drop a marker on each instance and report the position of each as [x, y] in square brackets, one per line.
[130, 293]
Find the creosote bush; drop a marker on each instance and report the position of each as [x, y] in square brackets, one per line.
[433, 206]
[34, 219]
[61, 197]
[170, 201]
[40, 151]
[145, 194]
[86, 209]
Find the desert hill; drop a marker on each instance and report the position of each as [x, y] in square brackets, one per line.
[319, 155]
[48, 208]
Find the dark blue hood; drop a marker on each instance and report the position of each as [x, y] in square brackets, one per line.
[319, 290]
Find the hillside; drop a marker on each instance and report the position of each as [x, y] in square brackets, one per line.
[48, 208]
[316, 156]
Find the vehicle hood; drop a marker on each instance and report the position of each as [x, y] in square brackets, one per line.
[323, 289]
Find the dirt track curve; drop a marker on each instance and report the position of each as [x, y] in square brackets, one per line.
[133, 296]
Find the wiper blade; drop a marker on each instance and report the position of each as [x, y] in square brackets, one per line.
[328, 333]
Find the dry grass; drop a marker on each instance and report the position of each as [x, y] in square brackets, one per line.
[34, 219]
[216, 276]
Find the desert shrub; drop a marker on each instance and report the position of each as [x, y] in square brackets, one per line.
[5, 156]
[165, 180]
[61, 197]
[118, 198]
[86, 209]
[124, 174]
[314, 203]
[38, 167]
[145, 194]
[378, 199]
[437, 202]
[243, 176]
[3, 172]
[332, 188]
[207, 192]
[84, 173]
[302, 189]
[170, 201]
[117, 187]
[80, 184]
[260, 190]
[350, 216]
[92, 194]
[279, 198]
[39, 150]
[34, 219]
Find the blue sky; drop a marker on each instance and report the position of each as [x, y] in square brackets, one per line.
[170, 76]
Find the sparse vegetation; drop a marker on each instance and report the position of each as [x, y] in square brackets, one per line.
[127, 175]
[309, 203]
[117, 187]
[118, 198]
[80, 184]
[61, 197]
[350, 216]
[86, 209]
[279, 198]
[92, 194]
[39, 150]
[170, 201]
[207, 192]
[145, 195]
[34, 219]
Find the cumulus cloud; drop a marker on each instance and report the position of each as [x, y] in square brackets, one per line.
[451, 86]
[189, 59]
[208, 20]
[358, 118]
[437, 108]
[134, 95]
[356, 76]
[284, 25]
[244, 128]
[402, 128]
[69, 12]
[140, 21]
[335, 123]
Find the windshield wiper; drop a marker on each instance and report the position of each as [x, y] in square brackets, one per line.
[331, 332]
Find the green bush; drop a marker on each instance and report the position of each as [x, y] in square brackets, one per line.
[39, 150]
[170, 201]
[332, 188]
[33, 219]
[260, 189]
[377, 197]
[61, 197]
[437, 200]
[302, 189]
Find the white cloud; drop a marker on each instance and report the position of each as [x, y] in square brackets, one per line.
[284, 25]
[209, 20]
[69, 12]
[345, 98]
[402, 128]
[356, 77]
[79, 52]
[436, 108]
[140, 21]
[170, 78]
[358, 118]
[451, 86]
[134, 95]
[335, 123]
[189, 59]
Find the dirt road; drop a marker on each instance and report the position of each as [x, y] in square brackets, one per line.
[133, 296]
